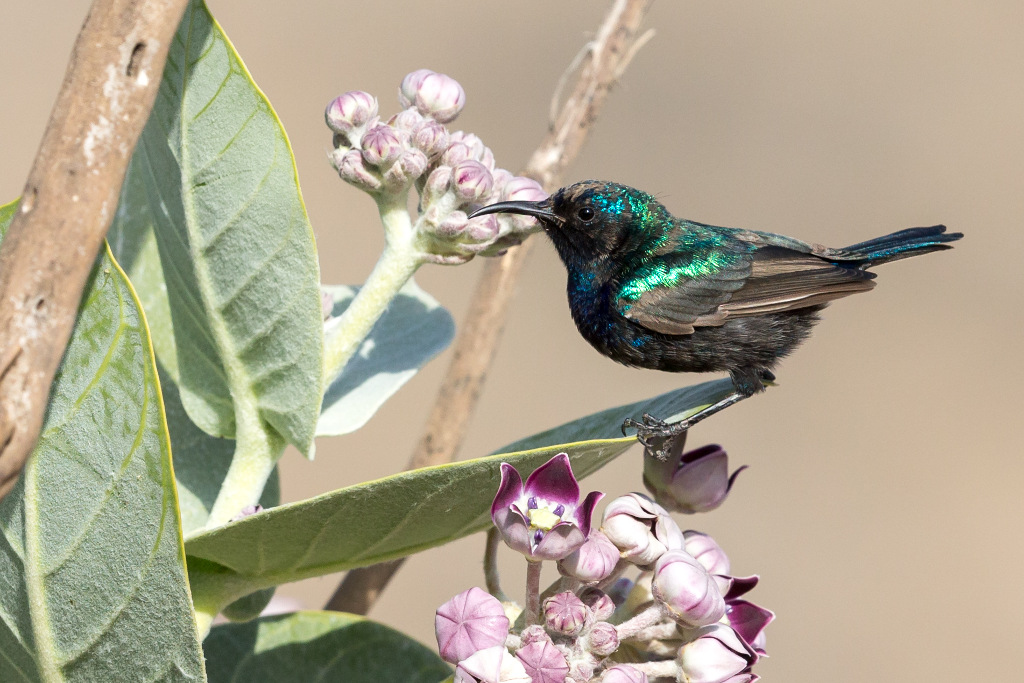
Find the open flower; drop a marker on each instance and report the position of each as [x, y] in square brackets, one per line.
[543, 519]
[691, 481]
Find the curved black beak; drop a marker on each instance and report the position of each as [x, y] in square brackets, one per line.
[540, 210]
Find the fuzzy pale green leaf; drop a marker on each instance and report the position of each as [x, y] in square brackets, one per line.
[318, 646]
[92, 576]
[414, 329]
[236, 248]
[400, 514]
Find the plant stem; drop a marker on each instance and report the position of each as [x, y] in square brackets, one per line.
[491, 578]
[257, 450]
[396, 265]
[645, 619]
[532, 592]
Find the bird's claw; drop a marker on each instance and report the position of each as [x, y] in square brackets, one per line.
[654, 434]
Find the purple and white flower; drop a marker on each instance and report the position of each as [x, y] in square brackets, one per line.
[544, 518]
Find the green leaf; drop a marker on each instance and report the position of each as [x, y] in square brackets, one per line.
[133, 244]
[235, 244]
[400, 514]
[92, 575]
[318, 646]
[201, 461]
[414, 329]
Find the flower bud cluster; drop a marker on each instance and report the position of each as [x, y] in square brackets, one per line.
[453, 171]
[682, 618]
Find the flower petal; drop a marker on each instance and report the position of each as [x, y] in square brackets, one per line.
[554, 481]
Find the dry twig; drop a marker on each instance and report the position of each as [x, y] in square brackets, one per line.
[68, 204]
[609, 53]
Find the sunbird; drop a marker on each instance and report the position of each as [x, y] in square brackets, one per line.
[651, 290]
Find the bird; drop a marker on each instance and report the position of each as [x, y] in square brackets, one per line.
[654, 291]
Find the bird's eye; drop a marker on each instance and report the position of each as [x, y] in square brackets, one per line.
[585, 214]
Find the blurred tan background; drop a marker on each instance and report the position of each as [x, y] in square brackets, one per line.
[883, 508]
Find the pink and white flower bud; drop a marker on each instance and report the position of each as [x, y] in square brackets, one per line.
[439, 97]
[410, 166]
[566, 614]
[492, 665]
[473, 620]
[473, 142]
[410, 84]
[623, 673]
[453, 225]
[599, 602]
[602, 639]
[501, 178]
[543, 662]
[350, 111]
[641, 529]
[353, 170]
[437, 184]
[593, 561]
[686, 590]
[705, 550]
[456, 153]
[471, 181]
[521, 189]
[534, 633]
[431, 138]
[719, 655]
[482, 231]
[406, 120]
[381, 146]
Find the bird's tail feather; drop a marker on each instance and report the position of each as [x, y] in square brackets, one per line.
[898, 245]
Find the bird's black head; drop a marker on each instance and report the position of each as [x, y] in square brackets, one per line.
[593, 218]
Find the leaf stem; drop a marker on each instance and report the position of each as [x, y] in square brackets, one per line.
[396, 265]
[257, 450]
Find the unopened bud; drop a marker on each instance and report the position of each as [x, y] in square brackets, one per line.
[593, 561]
[410, 84]
[406, 119]
[431, 138]
[543, 662]
[687, 590]
[439, 97]
[471, 181]
[353, 170]
[566, 614]
[599, 602]
[603, 639]
[456, 153]
[381, 146]
[350, 111]
[437, 184]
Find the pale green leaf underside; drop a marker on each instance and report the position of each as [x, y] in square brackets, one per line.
[92, 577]
[318, 646]
[400, 514]
[414, 329]
[200, 461]
[236, 248]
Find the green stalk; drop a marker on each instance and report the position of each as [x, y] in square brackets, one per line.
[396, 265]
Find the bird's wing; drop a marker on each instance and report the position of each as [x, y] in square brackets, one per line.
[671, 292]
[671, 296]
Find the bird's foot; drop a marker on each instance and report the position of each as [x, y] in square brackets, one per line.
[654, 434]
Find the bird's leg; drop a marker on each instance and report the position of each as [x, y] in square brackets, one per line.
[654, 434]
